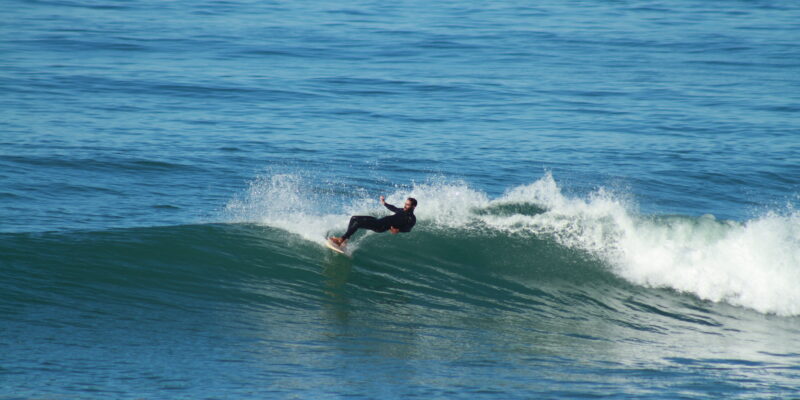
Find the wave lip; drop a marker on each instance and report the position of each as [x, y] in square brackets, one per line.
[754, 264]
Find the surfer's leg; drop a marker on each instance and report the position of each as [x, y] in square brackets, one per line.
[361, 222]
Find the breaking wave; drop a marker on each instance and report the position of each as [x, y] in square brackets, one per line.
[753, 264]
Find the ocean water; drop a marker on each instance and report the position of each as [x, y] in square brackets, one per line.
[607, 190]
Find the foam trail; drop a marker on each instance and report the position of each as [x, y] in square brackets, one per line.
[755, 264]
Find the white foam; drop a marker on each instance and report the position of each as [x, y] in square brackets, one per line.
[755, 264]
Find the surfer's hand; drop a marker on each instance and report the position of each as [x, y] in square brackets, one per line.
[394, 230]
[383, 200]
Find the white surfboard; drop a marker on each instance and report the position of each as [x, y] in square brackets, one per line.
[335, 247]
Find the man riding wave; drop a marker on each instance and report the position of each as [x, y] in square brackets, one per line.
[402, 221]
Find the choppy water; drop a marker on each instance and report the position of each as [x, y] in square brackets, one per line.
[607, 199]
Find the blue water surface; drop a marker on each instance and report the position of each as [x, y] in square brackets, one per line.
[112, 110]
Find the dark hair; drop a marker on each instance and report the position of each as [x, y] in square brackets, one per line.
[413, 201]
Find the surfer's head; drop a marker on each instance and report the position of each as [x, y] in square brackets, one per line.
[411, 204]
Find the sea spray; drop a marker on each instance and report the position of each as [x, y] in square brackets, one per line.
[288, 202]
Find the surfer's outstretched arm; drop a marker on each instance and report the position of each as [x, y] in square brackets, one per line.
[389, 206]
[392, 208]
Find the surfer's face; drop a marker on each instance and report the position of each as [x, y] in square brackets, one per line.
[408, 206]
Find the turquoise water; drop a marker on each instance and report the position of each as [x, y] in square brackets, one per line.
[607, 199]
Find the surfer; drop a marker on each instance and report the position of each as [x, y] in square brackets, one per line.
[402, 221]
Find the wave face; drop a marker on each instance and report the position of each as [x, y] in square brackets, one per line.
[753, 264]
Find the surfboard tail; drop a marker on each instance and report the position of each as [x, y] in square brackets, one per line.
[333, 246]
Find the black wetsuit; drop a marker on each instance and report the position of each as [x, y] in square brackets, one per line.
[402, 220]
